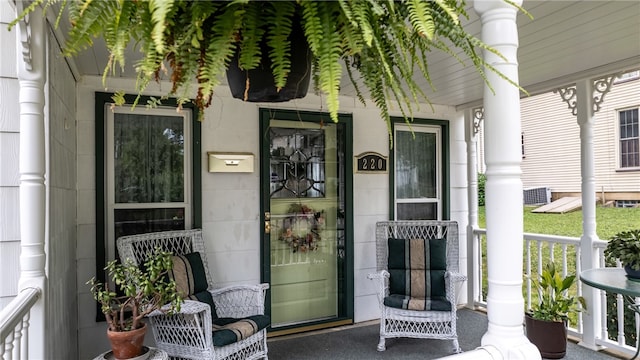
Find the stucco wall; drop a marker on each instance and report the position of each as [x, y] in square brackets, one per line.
[231, 201]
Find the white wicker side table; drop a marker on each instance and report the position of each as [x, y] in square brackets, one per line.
[154, 354]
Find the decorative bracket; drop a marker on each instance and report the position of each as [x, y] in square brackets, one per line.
[569, 96]
[478, 116]
[25, 35]
[601, 87]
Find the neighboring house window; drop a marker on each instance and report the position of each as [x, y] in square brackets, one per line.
[150, 159]
[417, 172]
[629, 139]
[633, 75]
[627, 203]
[522, 144]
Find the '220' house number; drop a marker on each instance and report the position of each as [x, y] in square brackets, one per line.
[371, 162]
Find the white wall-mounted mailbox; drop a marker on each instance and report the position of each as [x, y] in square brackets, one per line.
[230, 162]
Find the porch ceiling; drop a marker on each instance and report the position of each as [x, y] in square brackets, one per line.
[565, 41]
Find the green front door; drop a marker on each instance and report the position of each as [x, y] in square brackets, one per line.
[307, 242]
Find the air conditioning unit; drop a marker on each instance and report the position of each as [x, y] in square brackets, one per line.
[537, 195]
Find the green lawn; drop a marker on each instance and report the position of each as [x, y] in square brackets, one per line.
[609, 221]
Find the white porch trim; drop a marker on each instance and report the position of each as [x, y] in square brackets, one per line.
[472, 119]
[584, 113]
[31, 68]
[503, 191]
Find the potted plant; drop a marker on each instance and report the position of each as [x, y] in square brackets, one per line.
[142, 290]
[546, 321]
[625, 246]
[382, 46]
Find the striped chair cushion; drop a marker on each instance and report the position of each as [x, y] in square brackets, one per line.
[191, 279]
[417, 268]
[228, 330]
[434, 303]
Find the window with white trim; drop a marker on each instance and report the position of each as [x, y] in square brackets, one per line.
[418, 172]
[629, 150]
[629, 76]
[147, 170]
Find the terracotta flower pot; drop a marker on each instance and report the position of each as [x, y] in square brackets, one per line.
[550, 337]
[127, 344]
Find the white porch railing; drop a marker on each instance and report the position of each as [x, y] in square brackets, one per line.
[565, 252]
[14, 325]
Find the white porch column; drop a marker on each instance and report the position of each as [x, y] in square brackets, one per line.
[584, 99]
[503, 192]
[472, 122]
[31, 65]
[584, 113]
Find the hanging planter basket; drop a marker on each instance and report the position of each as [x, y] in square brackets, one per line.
[257, 85]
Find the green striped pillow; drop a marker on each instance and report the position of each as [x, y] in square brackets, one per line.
[188, 273]
[191, 279]
[417, 267]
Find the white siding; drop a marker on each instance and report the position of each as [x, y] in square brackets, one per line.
[552, 142]
[62, 317]
[9, 180]
[552, 158]
[233, 236]
[61, 177]
[608, 176]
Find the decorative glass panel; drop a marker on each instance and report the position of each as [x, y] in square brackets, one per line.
[148, 158]
[297, 163]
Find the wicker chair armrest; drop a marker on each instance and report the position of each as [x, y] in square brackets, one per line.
[382, 281]
[452, 280]
[455, 276]
[382, 274]
[239, 301]
[188, 307]
[189, 328]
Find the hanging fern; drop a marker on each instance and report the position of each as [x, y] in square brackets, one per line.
[251, 36]
[278, 40]
[383, 43]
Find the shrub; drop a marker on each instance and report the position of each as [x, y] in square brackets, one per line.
[482, 180]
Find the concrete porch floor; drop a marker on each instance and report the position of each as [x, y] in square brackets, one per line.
[358, 342]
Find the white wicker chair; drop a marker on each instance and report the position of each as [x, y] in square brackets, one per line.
[189, 333]
[398, 322]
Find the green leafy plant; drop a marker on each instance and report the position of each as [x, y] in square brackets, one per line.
[625, 246]
[384, 44]
[555, 303]
[144, 290]
[482, 182]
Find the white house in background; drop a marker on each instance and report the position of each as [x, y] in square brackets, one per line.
[551, 137]
[551, 144]
[67, 160]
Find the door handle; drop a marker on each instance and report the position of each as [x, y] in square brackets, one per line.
[267, 222]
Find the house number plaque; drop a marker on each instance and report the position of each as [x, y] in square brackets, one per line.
[371, 162]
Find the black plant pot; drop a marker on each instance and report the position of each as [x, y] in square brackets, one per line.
[550, 337]
[632, 274]
[260, 82]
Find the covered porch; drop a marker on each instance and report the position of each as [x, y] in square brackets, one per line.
[356, 342]
[575, 46]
